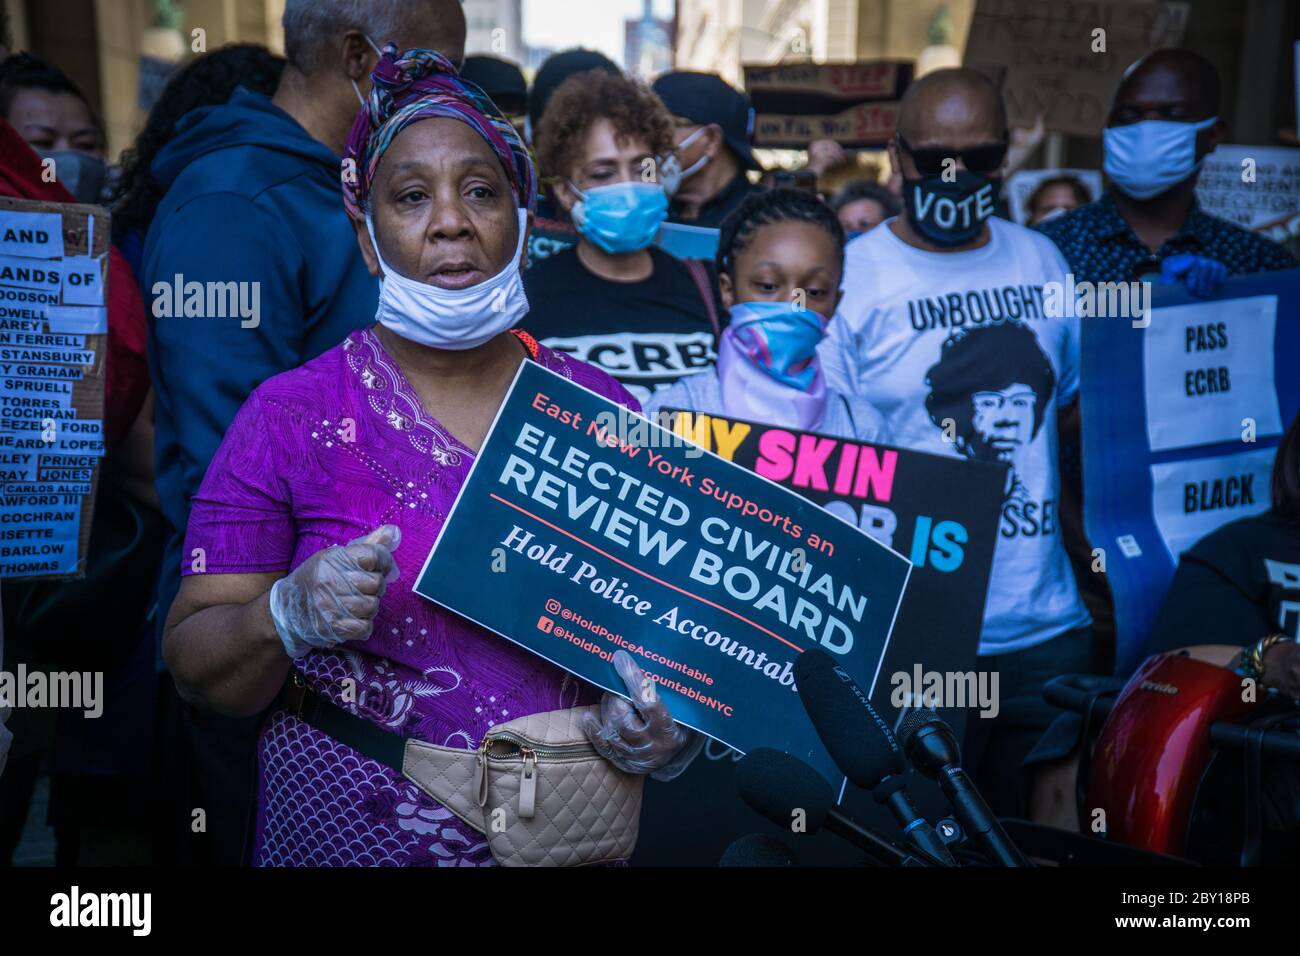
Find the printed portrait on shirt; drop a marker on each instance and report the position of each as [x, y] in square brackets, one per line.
[993, 383]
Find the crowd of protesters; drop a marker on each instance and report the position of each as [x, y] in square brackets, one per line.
[479, 222]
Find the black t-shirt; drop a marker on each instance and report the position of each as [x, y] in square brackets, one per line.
[646, 334]
[720, 206]
[552, 232]
[1234, 586]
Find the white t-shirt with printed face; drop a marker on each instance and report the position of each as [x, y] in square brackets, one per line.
[957, 344]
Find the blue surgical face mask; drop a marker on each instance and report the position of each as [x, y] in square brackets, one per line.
[622, 217]
[1151, 157]
[80, 173]
[779, 338]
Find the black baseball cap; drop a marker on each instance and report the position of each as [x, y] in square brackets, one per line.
[707, 98]
[501, 80]
[558, 68]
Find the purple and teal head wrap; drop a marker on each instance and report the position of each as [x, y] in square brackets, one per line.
[414, 85]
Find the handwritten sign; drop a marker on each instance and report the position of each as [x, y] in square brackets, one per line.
[855, 104]
[868, 124]
[1257, 187]
[1043, 50]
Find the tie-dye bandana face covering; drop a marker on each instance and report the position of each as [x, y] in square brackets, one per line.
[767, 364]
[779, 339]
[417, 84]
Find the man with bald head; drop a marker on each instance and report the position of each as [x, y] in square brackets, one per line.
[1163, 121]
[253, 203]
[942, 328]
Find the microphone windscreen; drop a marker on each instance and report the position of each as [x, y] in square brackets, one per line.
[857, 738]
[776, 784]
[758, 850]
[914, 721]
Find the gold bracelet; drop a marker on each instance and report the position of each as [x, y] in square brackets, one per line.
[1253, 657]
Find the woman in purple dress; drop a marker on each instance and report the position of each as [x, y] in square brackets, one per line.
[332, 483]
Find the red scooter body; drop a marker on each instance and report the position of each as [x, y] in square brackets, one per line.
[1155, 746]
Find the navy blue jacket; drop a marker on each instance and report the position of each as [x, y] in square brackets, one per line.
[250, 198]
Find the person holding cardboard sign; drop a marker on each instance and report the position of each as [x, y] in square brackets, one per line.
[297, 592]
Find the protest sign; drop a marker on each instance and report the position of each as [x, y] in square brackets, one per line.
[941, 512]
[861, 126]
[855, 104]
[53, 330]
[824, 87]
[608, 532]
[1180, 423]
[1022, 184]
[1064, 58]
[688, 242]
[1256, 187]
[906, 500]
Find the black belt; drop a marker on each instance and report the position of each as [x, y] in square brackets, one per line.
[348, 729]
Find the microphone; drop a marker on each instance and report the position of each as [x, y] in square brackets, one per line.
[862, 745]
[758, 850]
[777, 785]
[932, 747]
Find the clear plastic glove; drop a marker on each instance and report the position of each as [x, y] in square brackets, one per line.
[1199, 274]
[333, 596]
[640, 737]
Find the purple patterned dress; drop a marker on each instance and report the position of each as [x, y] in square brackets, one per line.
[319, 456]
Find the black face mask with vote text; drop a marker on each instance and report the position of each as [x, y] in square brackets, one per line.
[949, 213]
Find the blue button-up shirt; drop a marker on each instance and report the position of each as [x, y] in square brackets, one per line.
[1099, 245]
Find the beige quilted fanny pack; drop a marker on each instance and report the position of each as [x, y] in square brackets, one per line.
[536, 788]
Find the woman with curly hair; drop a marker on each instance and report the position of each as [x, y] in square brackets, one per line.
[615, 299]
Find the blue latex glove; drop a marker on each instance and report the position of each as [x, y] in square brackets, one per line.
[1199, 274]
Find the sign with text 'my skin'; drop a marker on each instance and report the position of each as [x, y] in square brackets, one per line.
[583, 528]
[942, 513]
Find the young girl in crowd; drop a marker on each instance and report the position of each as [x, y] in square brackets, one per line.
[614, 299]
[780, 259]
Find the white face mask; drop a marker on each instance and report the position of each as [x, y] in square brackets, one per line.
[1150, 157]
[356, 89]
[671, 174]
[452, 318]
